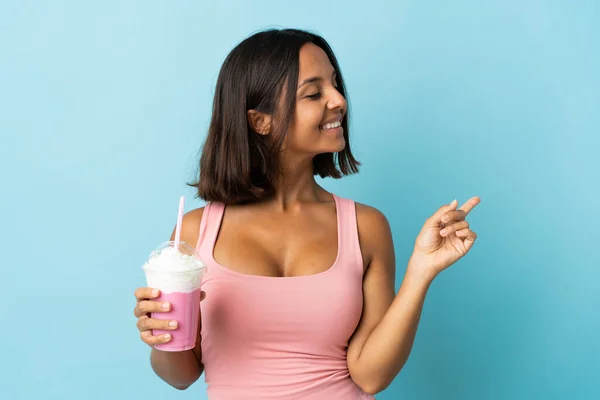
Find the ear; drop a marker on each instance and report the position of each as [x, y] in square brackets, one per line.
[260, 122]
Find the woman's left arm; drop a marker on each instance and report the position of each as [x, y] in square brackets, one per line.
[385, 334]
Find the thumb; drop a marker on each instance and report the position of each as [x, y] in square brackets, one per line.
[436, 219]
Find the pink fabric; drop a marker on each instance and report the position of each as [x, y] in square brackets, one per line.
[281, 337]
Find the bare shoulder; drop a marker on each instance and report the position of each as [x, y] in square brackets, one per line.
[373, 230]
[370, 216]
[190, 226]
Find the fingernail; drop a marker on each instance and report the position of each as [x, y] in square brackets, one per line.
[172, 324]
[443, 232]
[167, 336]
[453, 201]
[165, 306]
[154, 292]
[445, 218]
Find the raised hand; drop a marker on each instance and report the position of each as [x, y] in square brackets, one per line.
[445, 237]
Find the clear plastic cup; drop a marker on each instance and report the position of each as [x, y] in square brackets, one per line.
[178, 276]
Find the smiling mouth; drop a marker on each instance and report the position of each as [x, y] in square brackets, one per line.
[331, 125]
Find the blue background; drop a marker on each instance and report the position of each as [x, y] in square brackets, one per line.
[103, 107]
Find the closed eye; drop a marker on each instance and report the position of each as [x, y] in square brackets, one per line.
[314, 96]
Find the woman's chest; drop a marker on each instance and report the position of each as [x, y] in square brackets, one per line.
[284, 247]
[295, 310]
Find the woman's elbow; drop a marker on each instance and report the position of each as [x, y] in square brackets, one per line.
[181, 387]
[373, 388]
[370, 384]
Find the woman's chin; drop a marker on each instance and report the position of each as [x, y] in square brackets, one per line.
[341, 145]
[334, 149]
[332, 146]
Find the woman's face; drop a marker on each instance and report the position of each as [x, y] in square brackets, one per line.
[316, 124]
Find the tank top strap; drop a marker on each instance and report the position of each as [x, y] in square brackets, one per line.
[348, 233]
[209, 228]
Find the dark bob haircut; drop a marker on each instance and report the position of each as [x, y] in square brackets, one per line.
[238, 165]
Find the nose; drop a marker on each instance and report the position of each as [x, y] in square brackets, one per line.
[336, 101]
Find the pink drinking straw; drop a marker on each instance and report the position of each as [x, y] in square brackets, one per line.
[179, 222]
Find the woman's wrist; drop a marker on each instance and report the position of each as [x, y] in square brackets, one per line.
[419, 271]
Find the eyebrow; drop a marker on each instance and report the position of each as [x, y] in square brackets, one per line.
[313, 79]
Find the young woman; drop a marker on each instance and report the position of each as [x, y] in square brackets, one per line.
[299, 297]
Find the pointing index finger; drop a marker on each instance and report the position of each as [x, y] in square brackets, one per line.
[470, 204]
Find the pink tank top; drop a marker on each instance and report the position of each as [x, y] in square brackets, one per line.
[281, 337]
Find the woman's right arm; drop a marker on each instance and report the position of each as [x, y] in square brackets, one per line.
[179, 369]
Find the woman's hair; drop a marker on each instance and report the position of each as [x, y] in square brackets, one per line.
[237, 164]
